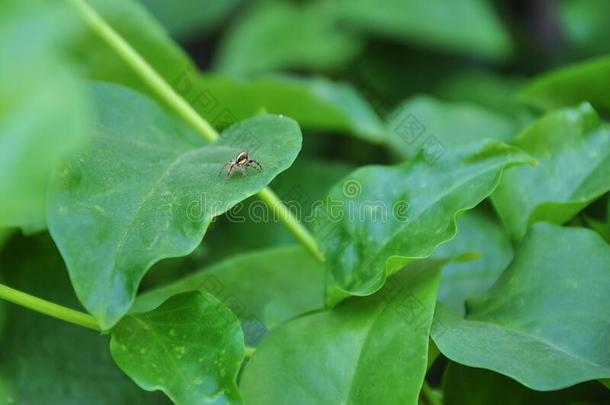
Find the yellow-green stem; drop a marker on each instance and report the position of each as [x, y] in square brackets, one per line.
[186, 111]
[430, 396]
[48, 308]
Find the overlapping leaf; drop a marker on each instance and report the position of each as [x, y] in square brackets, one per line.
[262, 288]
[191, 348]
[147, 189]
[407, 210]
[568, 86]
[573, 150]
[480, 233]
[423, 121]
[546, 322]
[354, 353]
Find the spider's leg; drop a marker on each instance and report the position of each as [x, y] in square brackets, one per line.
[223, 167]
[255, 164]
[232, 169]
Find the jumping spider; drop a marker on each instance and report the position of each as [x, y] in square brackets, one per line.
[240, 164]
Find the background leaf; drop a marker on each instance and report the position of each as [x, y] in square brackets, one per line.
[486, 387]
[246, 49]
[406, 210]
[191, 348]
[545, 322]
[185, 19]
[585, 25]
[262, 288]
[465, 26]
[423, 120]
[315, 103]
[37, 128]
[147, 189]
[349, 354]
[568, 86]
[573, 151]
[479, 232]
[46, 361]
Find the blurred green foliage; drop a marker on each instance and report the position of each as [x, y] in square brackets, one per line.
[369, 82]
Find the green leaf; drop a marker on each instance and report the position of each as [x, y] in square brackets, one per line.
[423, 120]
[545, 322]
[146, 189]
[568, 86]
[492, 91]
[573, 151]
[186, 19]
[45, 361]
[303, 36]
[485, 387]
[316, 103]
[191, 348]
[37, 128]
[464, 26]
[407, 210]
[366, 350]
[481, 233]
[288, 282]
[584, 25]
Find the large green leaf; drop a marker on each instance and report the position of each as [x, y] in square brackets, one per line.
[315, 103]
[573, 151]
[45, 361]
[481, 233]
[262, 288]
[37, 128]
[407, 210]
[147, 189]
[423, 120]
[459, 26]
[364, 351]
[191, 348]
[546, 322]
[303, 36]
[587, 81]
[475, 386]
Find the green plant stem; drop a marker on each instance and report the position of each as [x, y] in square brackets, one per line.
[146, 72]
[429, 395]
[250, 352]
[287, 217]
[48, 308]
[187, 112]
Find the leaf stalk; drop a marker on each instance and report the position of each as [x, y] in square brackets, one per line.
[48, 308]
